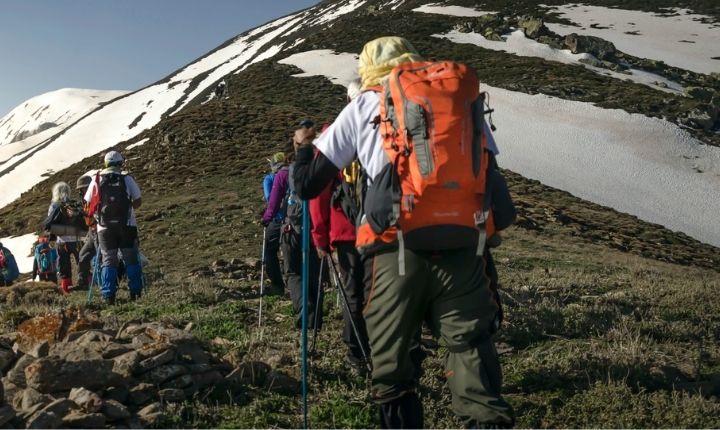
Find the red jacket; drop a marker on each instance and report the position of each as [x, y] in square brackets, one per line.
[329, 224]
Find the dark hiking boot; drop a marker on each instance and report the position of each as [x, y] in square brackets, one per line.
[357, 366]
[273, 290]
[405, 412]
[109, 300]
[135, 296]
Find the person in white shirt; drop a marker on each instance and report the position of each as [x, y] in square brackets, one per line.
[112, 198]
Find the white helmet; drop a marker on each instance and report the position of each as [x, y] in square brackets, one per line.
[113, 158]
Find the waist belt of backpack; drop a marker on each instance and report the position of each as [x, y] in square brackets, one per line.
[481, 218]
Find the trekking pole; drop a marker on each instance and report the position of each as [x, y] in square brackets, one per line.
[341, 290]
[96, 273]
[317, 306]
[262, 278]
[305, 290]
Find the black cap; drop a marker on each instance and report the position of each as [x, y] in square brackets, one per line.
[83, 182]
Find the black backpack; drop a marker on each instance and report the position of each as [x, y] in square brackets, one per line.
[115, 204]
[349, 192]
[66, 219]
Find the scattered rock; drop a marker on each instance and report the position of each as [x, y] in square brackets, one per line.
[164, 373]
[208, 379]
[43, 420]
[120, 394]
[32, 397]
[249, 373]
[88, 400]
[532, 26]
[7, 413]
[115, 411]
[76, 419]
[52, 374]
[7, 358]
[700, 93]
[151, 414]
[698, 119]
[59, 407]
[125, 364]
[280, 383]
[156, 361]
[142, 394]
[16, 375]
[182, 381]
[171, 395]
[600, 48]
[40, 350]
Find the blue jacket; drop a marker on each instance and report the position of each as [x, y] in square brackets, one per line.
[10, 272]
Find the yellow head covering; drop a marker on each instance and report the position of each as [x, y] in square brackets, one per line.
[379, 56]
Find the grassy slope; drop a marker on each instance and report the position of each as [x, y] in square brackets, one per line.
[598, 331]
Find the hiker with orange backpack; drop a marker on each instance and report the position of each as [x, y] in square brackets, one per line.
[419, 132]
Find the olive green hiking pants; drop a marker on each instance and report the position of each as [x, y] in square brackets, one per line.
[450, 291]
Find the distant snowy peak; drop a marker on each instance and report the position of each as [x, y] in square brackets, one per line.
[56, 109]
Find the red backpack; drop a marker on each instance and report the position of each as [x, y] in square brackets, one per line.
[432, 193]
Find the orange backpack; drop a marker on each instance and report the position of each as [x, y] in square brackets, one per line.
[431, 194]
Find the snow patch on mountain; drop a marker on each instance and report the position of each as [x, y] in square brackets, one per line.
[335, 11]
[681, 40]
[643, 166]
[516, 43]
[136, 144]
[56, 110]
[344, 66]
[21, 247]
[440, 9]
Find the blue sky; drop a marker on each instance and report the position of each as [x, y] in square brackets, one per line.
[114, 44]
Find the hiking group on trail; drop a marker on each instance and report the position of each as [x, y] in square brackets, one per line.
[406, 198]
[98, 230]
[401, 199]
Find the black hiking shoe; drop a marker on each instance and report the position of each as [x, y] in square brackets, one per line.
[135, 296]
[110, 300]
[273, 290]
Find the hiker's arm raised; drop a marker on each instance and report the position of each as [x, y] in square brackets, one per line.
[312, 173]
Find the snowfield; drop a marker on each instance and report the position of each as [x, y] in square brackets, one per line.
[440, 9]
[681, 41]
[643, 166]
[56, 109]
[516, 43]
[21, 248]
